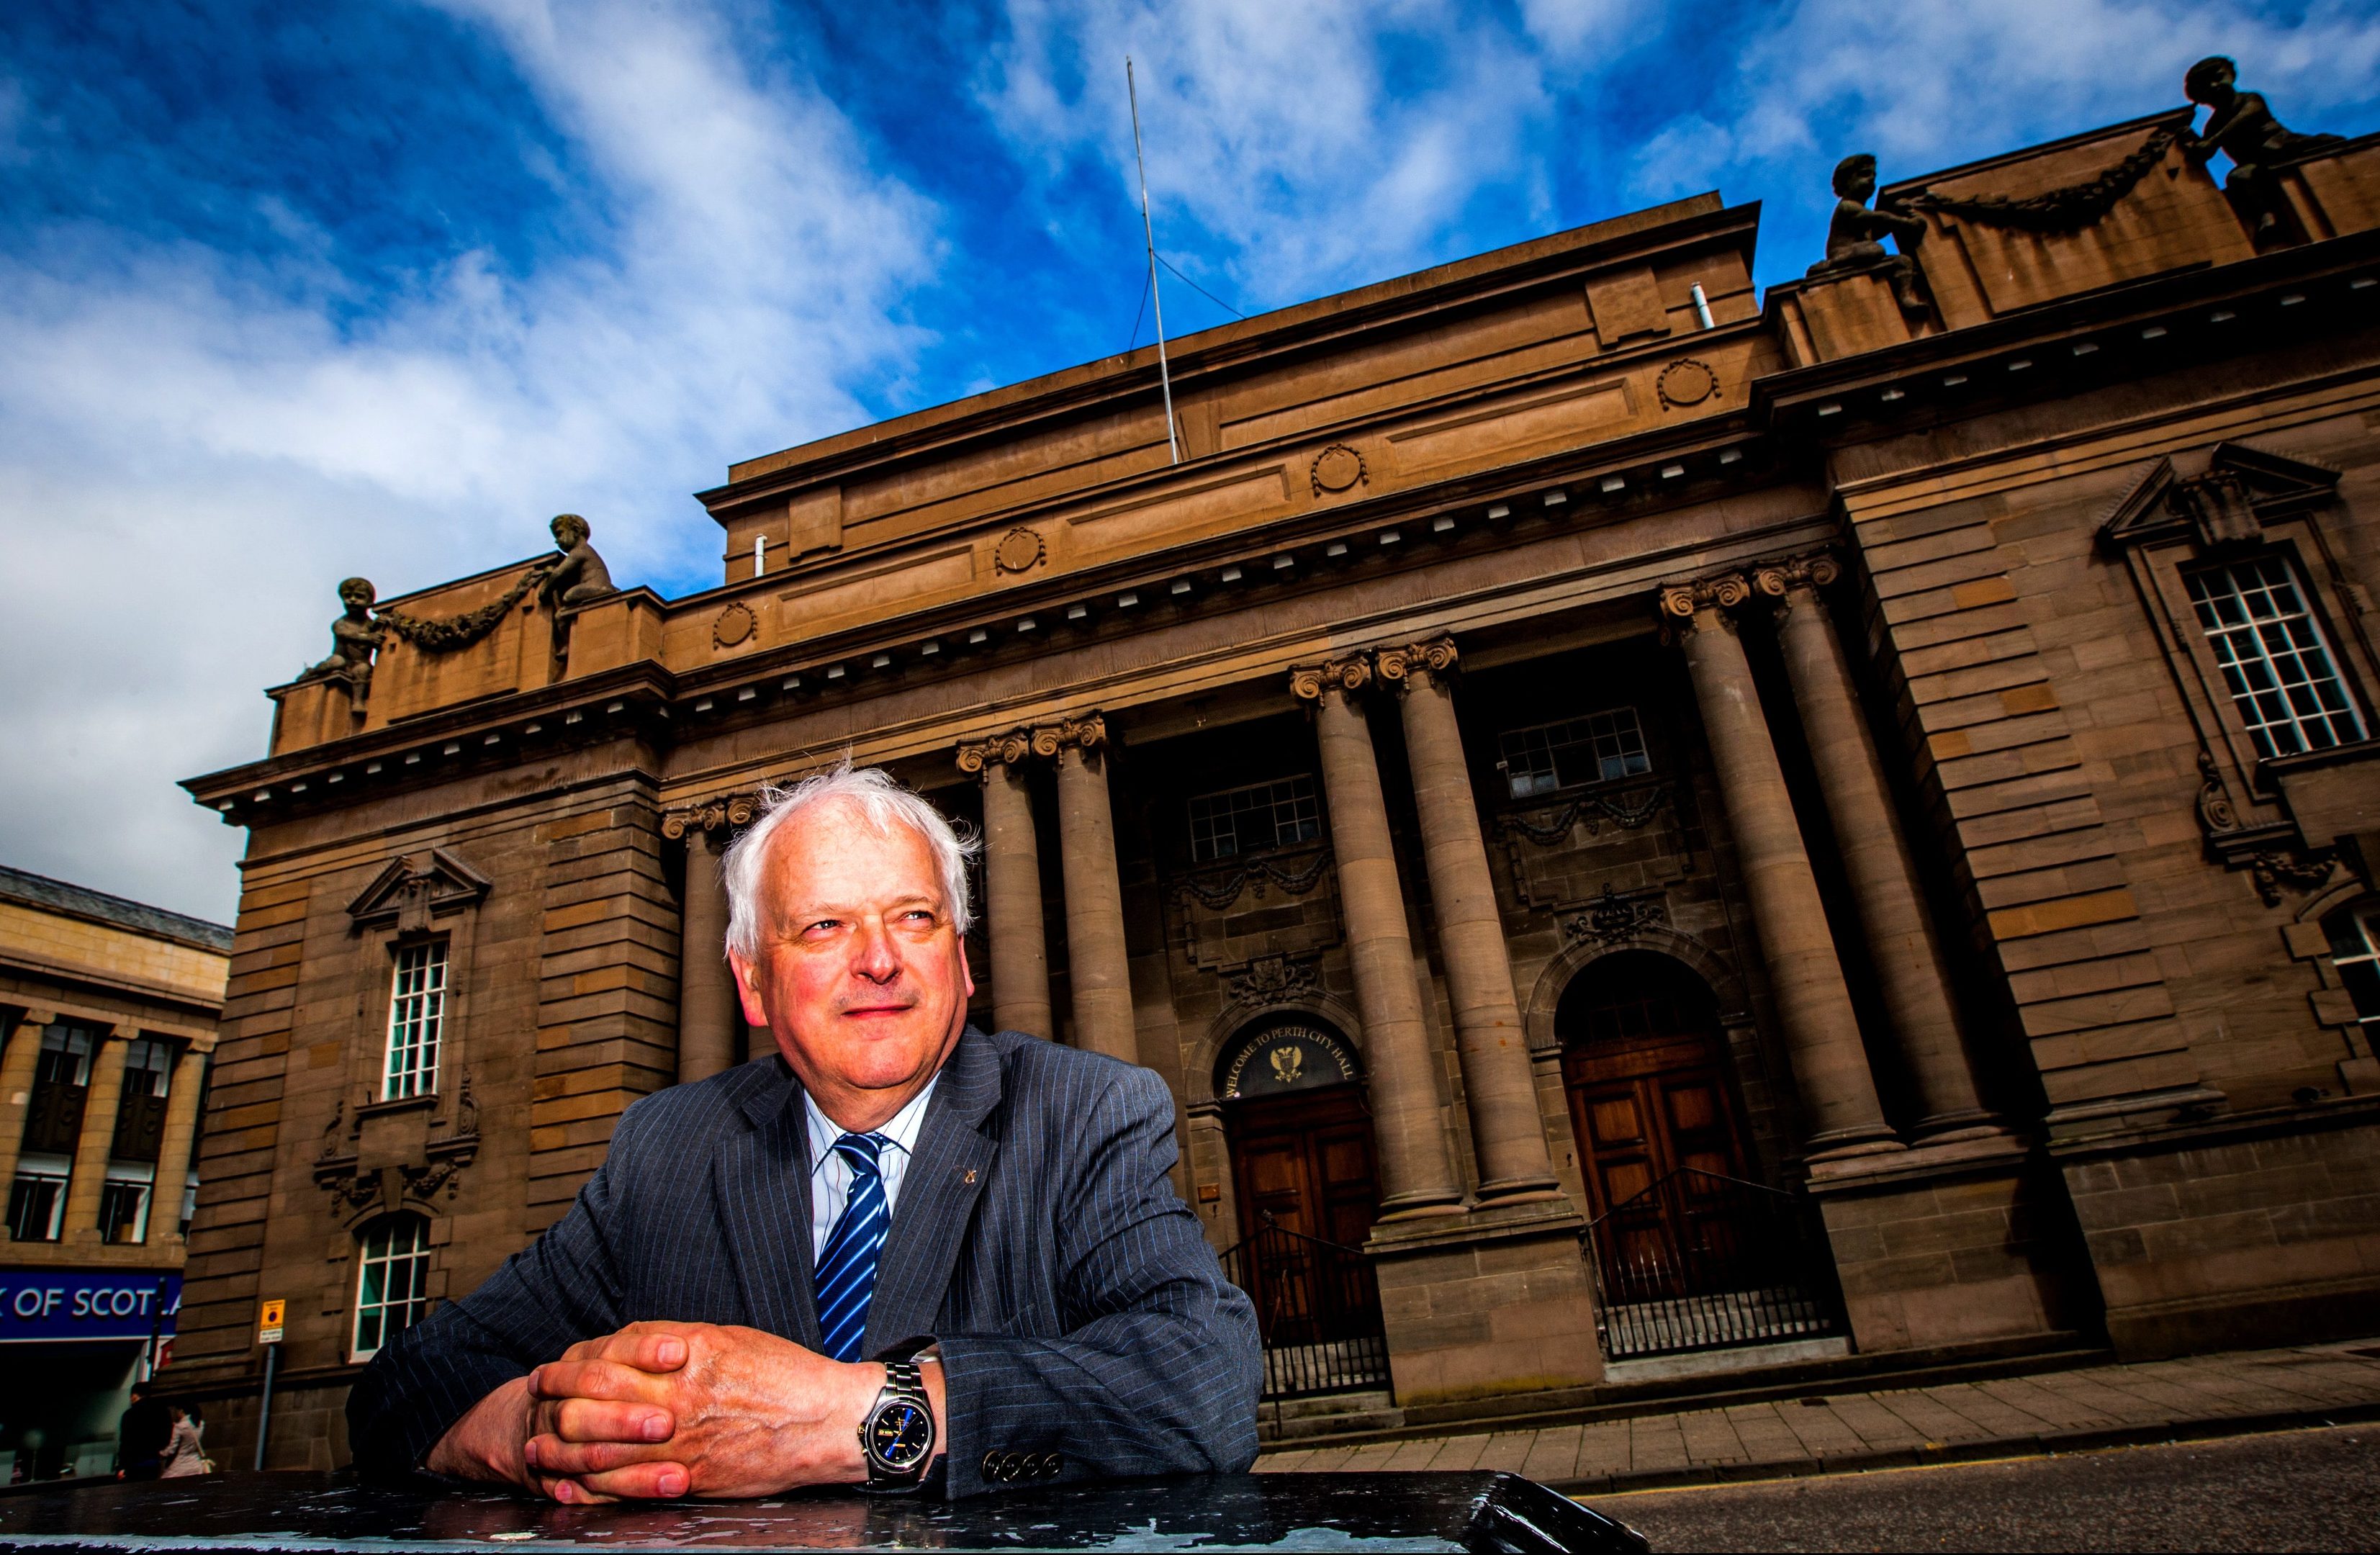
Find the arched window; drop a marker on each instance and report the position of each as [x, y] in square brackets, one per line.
[392, 1282]
[2354, 933]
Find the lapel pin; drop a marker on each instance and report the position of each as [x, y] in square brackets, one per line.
[970, 1176]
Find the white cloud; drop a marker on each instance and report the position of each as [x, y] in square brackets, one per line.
[1319, 146]
[190, 459]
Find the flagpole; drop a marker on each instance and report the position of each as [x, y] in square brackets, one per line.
[1148, 236]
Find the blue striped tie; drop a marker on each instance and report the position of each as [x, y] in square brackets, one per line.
[847, 1272]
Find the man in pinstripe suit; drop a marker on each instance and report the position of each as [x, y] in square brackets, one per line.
[905, 1253]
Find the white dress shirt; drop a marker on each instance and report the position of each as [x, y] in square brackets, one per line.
[830, 1174]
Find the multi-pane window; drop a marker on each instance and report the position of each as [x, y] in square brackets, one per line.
[37, 1199]
[392, 1292]
[148, 1067]
[416, 1014]
[1263, 815]
[124, 1207]
[66, 1055]
[2282, 675]
[1597, 749]
[2355, 951]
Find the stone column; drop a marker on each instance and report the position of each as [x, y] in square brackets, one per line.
[1098, 970]
[706, 996]
[1829, 1066]
[1011, 886]
[1506, 1130]
[1416, 1178]
[97, 1141]
[18, 1061]
[180, 1132]
[1875, 855]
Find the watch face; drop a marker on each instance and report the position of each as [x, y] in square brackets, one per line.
[901, 1435]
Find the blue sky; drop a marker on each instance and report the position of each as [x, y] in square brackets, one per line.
[291, 291]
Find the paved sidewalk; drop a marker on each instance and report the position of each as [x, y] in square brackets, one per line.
[2056, 1411]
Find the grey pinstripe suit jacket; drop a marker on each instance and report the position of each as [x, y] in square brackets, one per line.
[1038, 1239]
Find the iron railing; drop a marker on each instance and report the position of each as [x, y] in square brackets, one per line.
[1703, 1262]
[1317, 1309]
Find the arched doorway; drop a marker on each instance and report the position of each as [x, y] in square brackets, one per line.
[1689, 1255]
[1302, 1164]
[1645, 1063]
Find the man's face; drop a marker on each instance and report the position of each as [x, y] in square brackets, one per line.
[861, 976]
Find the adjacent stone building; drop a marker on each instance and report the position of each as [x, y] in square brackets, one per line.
[108, 1011]
[1866, 799]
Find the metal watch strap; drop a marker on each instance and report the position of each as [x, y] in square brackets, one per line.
[904, 1383]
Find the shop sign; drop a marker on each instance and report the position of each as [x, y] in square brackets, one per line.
[43, 1304]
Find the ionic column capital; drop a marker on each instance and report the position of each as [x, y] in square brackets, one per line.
[976, 757]
[1396, 666]
[723, 813]
[1776, 580]
[1086, 733]
[1352, 673]
[1679, 602]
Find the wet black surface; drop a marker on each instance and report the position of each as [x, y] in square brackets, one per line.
[1321, 1512]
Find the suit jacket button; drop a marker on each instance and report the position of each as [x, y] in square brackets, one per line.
[991, 1465]
[1051, 1464]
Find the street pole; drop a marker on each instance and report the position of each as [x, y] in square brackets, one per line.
[265, 1409]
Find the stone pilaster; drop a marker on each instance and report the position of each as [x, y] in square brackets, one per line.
[18, 1061]
[1098, 973]
[1011, 885]
[1416, 1178]
[1830, 1067]
[97, 1141]
[706, 1001]
[1506, 1129]
[1875, 855]
[174, 1145]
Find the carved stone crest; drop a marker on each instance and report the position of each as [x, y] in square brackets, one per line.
[1336, 468]
[1018, 551]
[1685, 381]
[1270, 980]
[1612, 918]
[734, 625]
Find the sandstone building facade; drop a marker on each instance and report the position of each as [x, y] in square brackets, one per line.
[1657, 819]
[108, 1012]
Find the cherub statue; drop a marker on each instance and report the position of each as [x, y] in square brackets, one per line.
[578, 575]
[1855, 236]
[2242, 127]
[354, 638]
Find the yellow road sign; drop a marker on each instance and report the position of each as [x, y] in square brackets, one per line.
[268, 1322]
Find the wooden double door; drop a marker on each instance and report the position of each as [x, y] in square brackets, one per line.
[1308, 1191]
[1660, 1144]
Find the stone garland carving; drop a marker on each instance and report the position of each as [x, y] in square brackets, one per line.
[1612, 918]
[1019, 549]
[1395, 665]
[1336, 468]
[2068, 209]
[1350, 674]
[723, 814]
[1684, 383]
[2301, 873]
[1218, 891]
[451, 633]
[1273, 979]
[351, 1188]
[1630, 812]
[736, 625]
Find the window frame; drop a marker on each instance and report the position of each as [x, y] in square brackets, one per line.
[59, 1180]
[417, 1257]
[2363, 914]
[2231, 566]
[418, 1079]
[1311, 797]
[1642, 751]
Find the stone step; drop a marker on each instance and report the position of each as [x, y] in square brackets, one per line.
[1327, 1414]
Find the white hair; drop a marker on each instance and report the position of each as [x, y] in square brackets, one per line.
[885, 804]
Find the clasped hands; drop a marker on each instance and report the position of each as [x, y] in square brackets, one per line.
[663, 1410]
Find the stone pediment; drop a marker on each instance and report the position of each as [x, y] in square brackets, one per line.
[410, 892]
[2242, 487]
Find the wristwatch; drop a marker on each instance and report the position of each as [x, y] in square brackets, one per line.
[896, 1435]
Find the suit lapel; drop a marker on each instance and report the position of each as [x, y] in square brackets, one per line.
[761, 1178]
[938, 1196]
